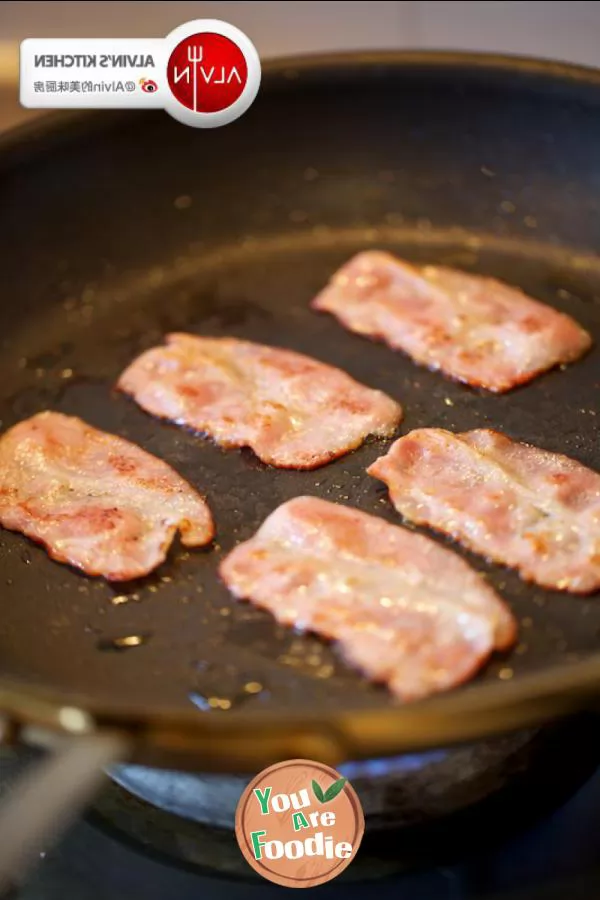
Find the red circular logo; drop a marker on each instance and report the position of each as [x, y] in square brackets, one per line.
[207, 72]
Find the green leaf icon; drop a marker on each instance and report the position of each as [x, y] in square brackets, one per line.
[318, 791]
[334, 789]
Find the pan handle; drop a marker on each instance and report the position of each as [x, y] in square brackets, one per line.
[48, 797]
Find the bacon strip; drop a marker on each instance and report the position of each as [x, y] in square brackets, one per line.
[95, 501]
[293, 411]
[405, 610]
[535, 511]
[474, 329]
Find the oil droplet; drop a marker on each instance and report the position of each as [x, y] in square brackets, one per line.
[448, 401]
[505, 674]
[26, 557]
[507, 206]
[489, 173]
[66, 373]
[166, 579]
[225, 611]
[325, 671]
[207, 703]
[120, 599]
[220, 702]
[530, 222]
[222, 689]
[122, 643]
[153, 588]
[521, 649]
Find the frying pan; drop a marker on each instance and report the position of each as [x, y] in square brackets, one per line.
[116, 228]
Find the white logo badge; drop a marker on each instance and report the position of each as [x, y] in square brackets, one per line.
[205, 73]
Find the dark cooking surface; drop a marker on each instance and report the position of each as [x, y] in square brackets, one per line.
[151, 227]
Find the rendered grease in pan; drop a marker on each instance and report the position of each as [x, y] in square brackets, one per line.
[240, 292]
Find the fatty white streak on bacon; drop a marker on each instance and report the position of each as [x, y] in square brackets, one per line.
[475, 329]
[293, 411]
[406, 611]
[536, 511]
[95, 501]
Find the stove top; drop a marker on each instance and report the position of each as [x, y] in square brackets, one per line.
[111, 854]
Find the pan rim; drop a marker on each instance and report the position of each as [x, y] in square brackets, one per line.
[213, 741]
[245, 740]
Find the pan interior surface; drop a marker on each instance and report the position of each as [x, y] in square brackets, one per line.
[232, 234]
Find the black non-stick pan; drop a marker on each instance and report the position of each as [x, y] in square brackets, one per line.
[116, 228]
